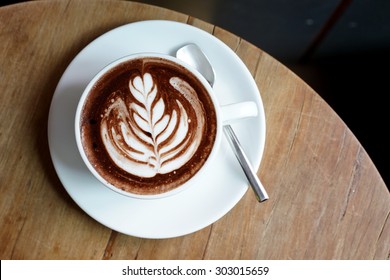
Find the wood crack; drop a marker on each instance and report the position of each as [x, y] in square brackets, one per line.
[354, 178]
[238, 45]
[67, 5]
[208, 241]
[342, 148]
[381, 233]
[296, 129]
[17, 238]
[108, 250]
[213, 31]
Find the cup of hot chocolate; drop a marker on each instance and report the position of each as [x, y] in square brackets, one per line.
[148, 125]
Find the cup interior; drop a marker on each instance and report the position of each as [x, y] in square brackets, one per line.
[191, 181]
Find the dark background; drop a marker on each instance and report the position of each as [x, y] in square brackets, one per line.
[341, 48]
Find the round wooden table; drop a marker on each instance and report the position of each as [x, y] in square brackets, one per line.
[327, 199]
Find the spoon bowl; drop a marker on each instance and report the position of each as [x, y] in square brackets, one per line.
[195, 57]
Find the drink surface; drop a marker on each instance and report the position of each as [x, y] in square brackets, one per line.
[148, 125]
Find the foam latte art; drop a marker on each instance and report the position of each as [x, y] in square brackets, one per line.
[148, 125]
[144, 137]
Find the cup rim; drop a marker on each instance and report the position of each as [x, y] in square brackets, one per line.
[192, 180]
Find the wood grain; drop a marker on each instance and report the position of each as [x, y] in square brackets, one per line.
[328, 201]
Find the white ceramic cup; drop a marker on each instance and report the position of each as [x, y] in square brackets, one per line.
[225, 114]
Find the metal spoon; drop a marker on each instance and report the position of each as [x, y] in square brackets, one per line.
[194, 56]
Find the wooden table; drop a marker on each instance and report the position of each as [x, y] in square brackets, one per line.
[327, 199]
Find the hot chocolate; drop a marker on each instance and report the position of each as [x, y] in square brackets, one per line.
[148, 125]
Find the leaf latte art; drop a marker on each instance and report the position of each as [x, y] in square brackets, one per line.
[147, 125]
[147, 137]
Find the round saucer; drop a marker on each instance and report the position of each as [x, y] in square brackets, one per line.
[222, 185]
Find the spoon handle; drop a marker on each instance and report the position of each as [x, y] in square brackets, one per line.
[258, 188]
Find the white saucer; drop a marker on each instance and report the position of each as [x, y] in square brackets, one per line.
[191, 210]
